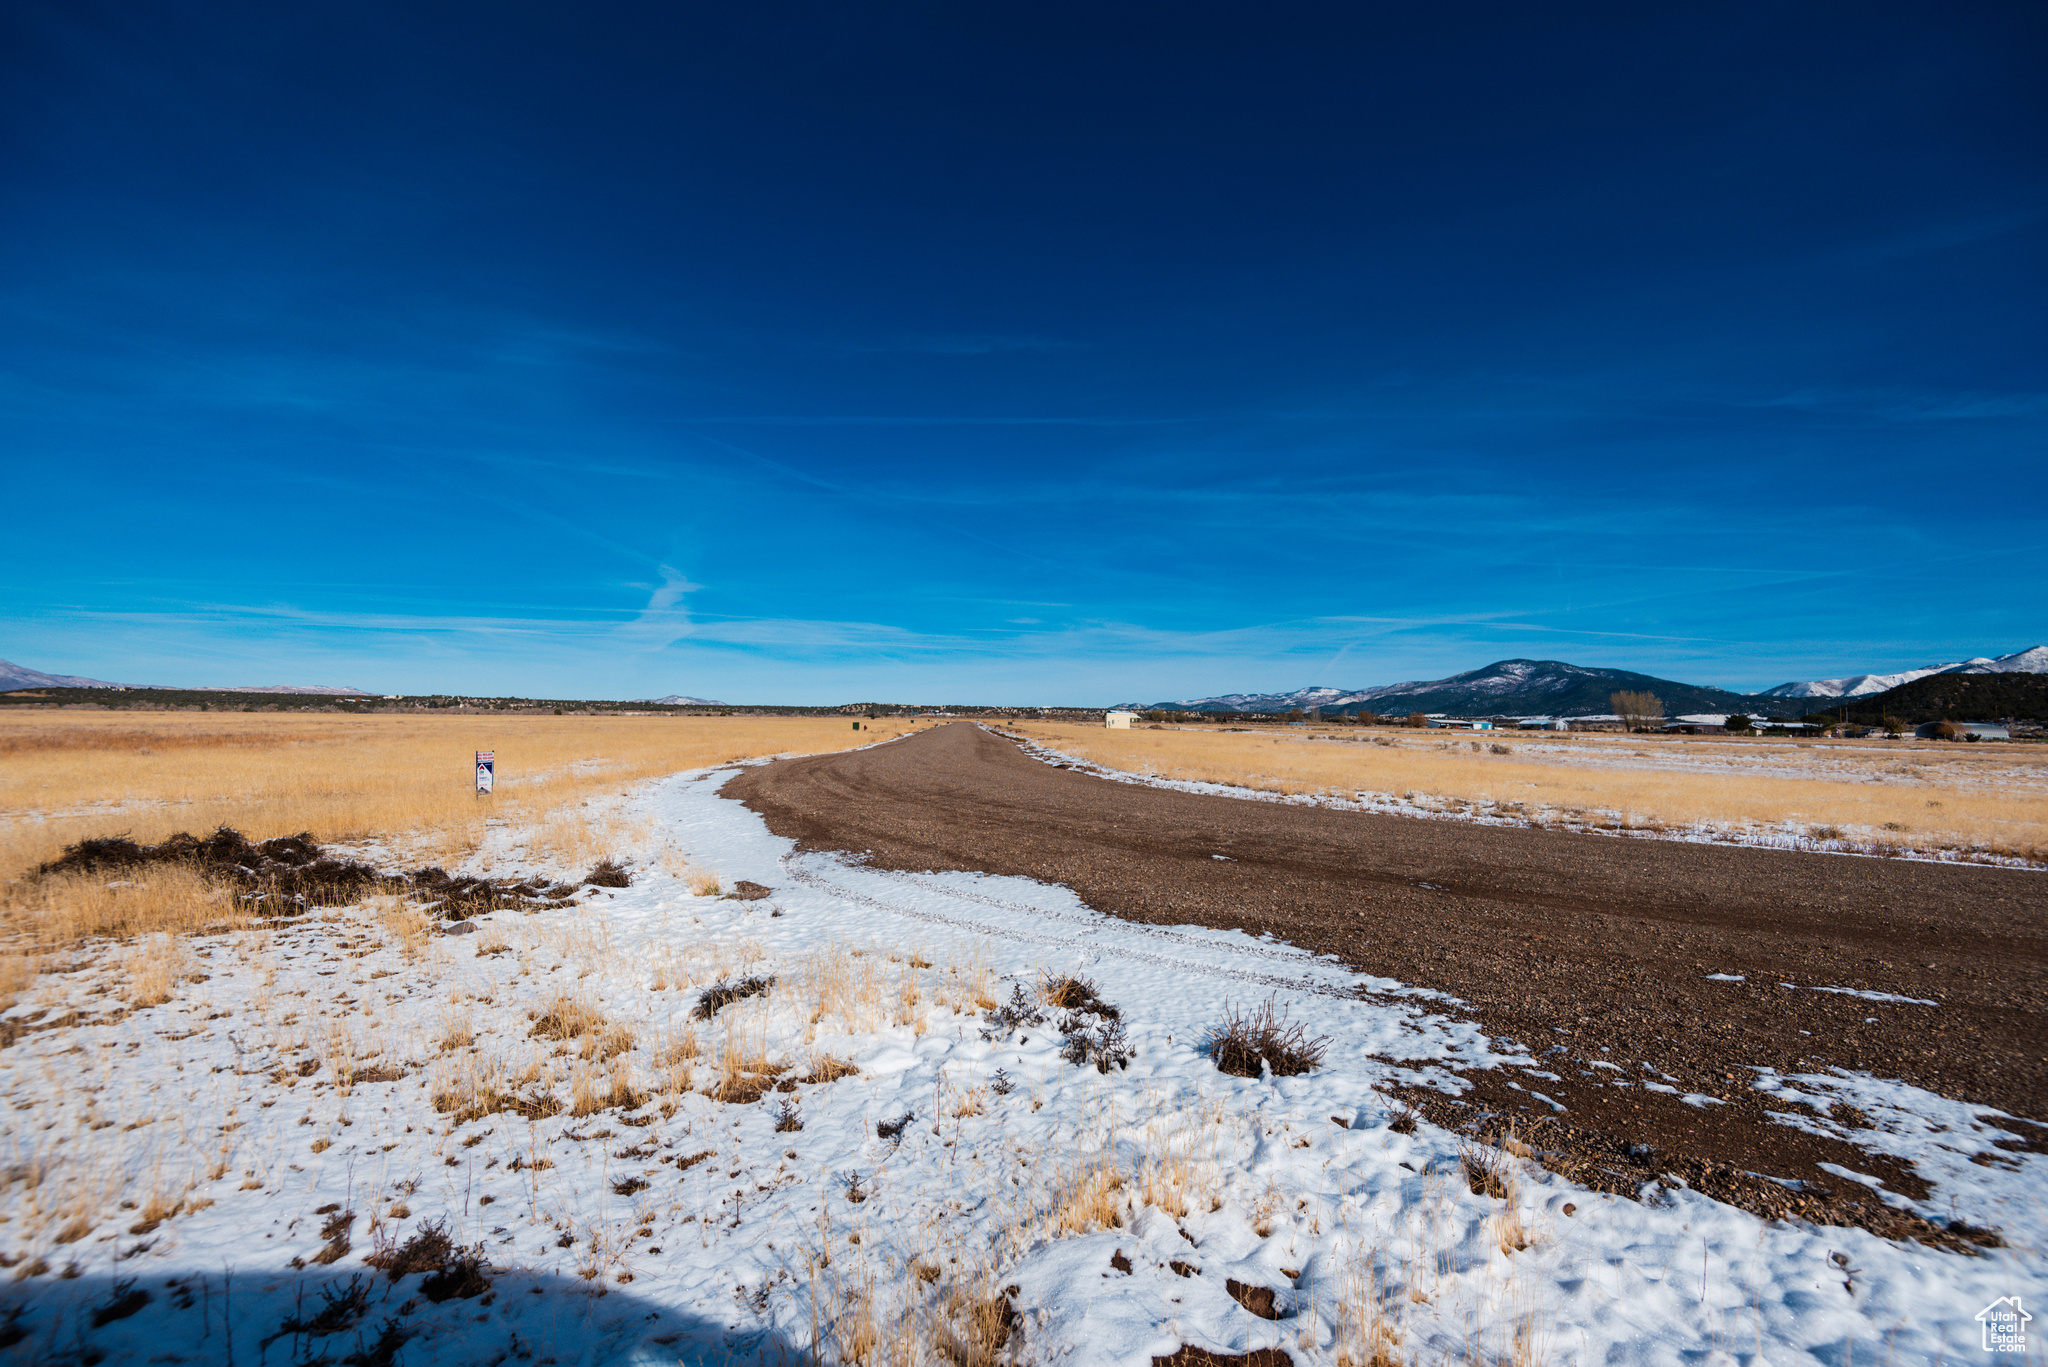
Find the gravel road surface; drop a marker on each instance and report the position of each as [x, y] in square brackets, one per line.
[1588, 950]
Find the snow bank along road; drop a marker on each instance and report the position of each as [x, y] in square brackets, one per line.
[1665, 991]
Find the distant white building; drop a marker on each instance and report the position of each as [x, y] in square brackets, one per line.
[1458, 724]
[1119, 720]
[1543, 724]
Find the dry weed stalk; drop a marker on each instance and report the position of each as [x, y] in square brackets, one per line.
[154, 968]
[408, 926]
[675, 1054]
[1366, 1336]
[1089, 1196]
[17, 972]
[458, 1030]
[471, 1086]
[596, 1036]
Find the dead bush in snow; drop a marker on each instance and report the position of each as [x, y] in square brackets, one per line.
[608, 873]
[1487, 1170]
[1015, 1014]
[1102, 1044]
[1250, 1042]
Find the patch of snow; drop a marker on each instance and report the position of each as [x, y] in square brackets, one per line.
[1936, 1135]
[1876, 996]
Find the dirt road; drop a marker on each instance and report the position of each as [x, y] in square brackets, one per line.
[1600, 945]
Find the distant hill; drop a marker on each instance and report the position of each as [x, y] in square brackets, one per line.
[1506, 688]
[2031, 661]
[20, 676]
[1955, 697]
[13, 676]
[680, 700]
[328, 690]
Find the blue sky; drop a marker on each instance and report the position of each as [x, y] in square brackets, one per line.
[1045, 353]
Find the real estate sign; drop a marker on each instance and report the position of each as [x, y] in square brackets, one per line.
[486, 765]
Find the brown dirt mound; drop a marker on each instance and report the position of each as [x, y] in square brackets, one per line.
[1189, 1355]
[291, 873]
[721, 995]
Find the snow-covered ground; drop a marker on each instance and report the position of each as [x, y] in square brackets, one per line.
[1109, 1211]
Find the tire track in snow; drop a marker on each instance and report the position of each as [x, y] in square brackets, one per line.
[793, 865]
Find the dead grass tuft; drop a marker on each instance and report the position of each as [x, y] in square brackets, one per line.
[567, 1019]
[1075, 994]
[471, 1088]
[1366, 1336]
[1088, 1197]
[826, 1068]
[622, 1094]
[60, 910]
[973, 1326]
[745, 1074]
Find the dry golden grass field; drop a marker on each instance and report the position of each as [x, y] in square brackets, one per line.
[403, 783]
[1897, 797]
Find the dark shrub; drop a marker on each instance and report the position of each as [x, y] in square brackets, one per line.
[718, 996]
[1248, 1039]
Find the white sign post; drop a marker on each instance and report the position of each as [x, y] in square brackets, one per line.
[486, 763]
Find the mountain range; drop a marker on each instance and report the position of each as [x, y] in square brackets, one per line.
[2031, 661]
[1557, 689]
[13, 676]
[679, 700]
[1972, 695]
[1505, 687]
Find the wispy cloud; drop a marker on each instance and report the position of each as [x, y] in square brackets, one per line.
[666, 618]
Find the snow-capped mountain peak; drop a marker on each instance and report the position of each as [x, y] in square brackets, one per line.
[2033, 660]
